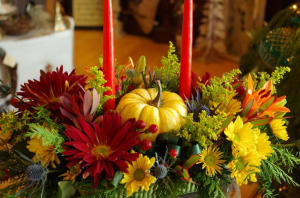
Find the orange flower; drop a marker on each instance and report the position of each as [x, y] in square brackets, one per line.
[261, 104]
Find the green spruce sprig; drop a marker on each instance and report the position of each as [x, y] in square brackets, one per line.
[277, 168]
[49, 136]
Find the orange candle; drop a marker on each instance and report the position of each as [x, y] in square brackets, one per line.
[186, 50]
[109, 53]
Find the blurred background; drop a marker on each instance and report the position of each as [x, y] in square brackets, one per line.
[253, 35]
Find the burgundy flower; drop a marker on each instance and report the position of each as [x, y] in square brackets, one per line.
[48, 89]
[102, 147]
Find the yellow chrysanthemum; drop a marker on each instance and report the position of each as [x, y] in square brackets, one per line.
[242, 135]
[263, 146]
[44, 154]
[249, 148]
[211, 159]
[242, 171]
[72, 173]
[138, 175]
[279, 130]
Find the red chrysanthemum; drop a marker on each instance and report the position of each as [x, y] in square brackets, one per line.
[48, 89]
[102, 147]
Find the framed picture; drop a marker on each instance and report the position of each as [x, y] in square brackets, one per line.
[87, 13]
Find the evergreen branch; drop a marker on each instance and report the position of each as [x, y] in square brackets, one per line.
[50, 137]
[277, 173]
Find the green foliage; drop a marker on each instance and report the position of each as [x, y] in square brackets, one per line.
[17, 124]
[212, 186]
[271, 169]
[98, 82]
[50, 136]
[169, 72]
[260, 78]
[220, 89]
[168, 188]
[43, 116]
[205, 131]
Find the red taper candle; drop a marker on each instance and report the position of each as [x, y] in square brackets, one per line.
[186, 50]
[109, 53]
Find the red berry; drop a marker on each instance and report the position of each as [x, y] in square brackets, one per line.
[118, 88]
[241, 90]
[140, 124]
[146, 145]
[123, 78]
[153, 128]
[173, 153]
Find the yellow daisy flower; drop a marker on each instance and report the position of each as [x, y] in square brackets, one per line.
[263, 146]
[138, 175]
[44, 154]
[242, 171]
[279, 130]
[242, 135]
[211, 159]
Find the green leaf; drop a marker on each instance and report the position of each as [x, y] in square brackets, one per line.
[261, 122]
[117, 178]
[186, 175]
[191, 161]
[66, 189]
[267, 104]
[226, 122]
[247, 108]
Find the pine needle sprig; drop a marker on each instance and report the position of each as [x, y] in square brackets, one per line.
[49, 136]
[271, 169]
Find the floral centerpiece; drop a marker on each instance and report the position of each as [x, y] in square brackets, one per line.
[62, 142]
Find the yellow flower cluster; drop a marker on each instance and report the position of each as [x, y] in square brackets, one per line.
[44, 154]
[249, 148]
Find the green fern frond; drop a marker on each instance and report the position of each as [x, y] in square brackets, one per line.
[49, 136]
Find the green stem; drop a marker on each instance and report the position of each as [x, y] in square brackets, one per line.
[157, 100]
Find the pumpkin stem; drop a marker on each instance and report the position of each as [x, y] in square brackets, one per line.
[157, 100]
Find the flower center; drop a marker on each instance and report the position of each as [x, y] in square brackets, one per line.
[139, 174]
[101, 151]
[209, 160]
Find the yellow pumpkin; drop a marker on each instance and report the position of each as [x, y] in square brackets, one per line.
[165, 109]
